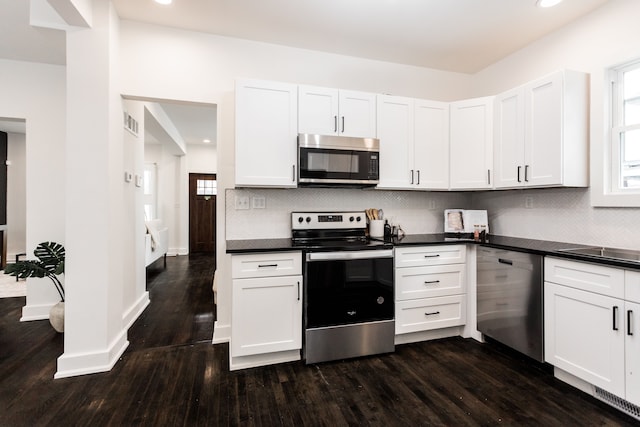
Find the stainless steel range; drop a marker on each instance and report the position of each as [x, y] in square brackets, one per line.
[348, 286]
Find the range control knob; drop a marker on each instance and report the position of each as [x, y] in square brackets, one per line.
[308, 219]
[358, 218]
[351, 219]
[300, 219]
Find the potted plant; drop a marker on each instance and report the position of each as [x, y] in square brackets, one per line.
[50, 264]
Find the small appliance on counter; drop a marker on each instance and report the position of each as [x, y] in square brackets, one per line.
[466, 224]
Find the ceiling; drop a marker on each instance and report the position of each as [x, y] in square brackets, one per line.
[194, 122]
[453, 35]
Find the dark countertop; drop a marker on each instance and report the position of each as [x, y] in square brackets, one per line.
[539, 247]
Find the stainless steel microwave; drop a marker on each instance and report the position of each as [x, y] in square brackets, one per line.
[331, 161]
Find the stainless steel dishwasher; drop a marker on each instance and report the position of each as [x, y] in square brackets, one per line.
[510, 299]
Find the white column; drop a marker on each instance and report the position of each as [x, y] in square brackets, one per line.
[95, 335]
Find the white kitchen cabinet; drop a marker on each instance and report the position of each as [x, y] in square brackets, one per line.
[541, 133]
[395, 132]
[592, 320]
[414, 143]
[580, 337]
[431, 144]
[328, 111]
[266, 134]
[266, 310]
[632, 335]
[471, 144]
[430, 287]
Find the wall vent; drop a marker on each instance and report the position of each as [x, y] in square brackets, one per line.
[130, 124]
[618, 402]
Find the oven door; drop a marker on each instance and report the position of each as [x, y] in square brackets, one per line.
[332, 166]
[348, 287]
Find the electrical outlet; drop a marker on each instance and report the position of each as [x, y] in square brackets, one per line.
[528, 202]
[242, 203]
[258, 202]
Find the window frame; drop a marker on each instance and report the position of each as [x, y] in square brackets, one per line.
[617, 128]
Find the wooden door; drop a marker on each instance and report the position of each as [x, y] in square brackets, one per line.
[202, 213]
[3, 198]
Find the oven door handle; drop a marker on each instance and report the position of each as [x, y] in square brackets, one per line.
[349, 255]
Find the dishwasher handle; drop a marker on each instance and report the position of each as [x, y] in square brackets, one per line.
[349, 255]
[505, 261]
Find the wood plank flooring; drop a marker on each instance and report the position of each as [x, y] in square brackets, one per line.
[171, 375]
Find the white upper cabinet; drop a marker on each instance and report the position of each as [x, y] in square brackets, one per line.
[541, 133]
[414, 143]
[395, 131]
[431, 144]
[471, 144]
[266, 134]
[328, 111]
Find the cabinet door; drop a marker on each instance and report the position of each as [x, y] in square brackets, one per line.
[317, 110]
[471, 144]
[357, 114]
[431, 145]
[508, 160]
[584, 336]
[543, 131]
[395, 131]
[266, 315]
[632, 351]
[266, 134]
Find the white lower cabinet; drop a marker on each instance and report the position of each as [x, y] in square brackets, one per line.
[430, 287]
[592, 334]
[266, 308]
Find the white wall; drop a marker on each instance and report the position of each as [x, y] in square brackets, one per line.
[202, 158]
[17, 196]
[36, 92]
[608, 36]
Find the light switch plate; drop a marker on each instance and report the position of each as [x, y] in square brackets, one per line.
[128, 177]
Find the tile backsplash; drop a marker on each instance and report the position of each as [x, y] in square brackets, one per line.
[417, 212]
[561, 214]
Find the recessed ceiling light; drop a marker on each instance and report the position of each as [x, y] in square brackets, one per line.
[547, 3]
[206, 141]
[164, 1]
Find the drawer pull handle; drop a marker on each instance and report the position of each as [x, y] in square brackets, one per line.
[629, 314]
[432, 314]
[267, 265]
[431, 282]
[615, 317]
[432, 256]
[505, 261]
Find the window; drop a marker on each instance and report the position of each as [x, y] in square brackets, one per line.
[206, 187]
[149, 180]
[625, 129]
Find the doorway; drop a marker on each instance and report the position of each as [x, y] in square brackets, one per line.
[202, 213]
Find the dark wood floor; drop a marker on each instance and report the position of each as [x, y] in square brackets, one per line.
[171, 375]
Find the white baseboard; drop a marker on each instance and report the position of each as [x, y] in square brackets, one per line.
[136, 310]
[72, 365]
[221, 333]
[177, 251]
[255, 360]
[36, 312]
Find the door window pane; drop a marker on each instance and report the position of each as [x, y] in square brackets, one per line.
[206, 187]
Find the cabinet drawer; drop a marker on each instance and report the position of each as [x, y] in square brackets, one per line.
[585, 276]
[432, 281]
[430, 313]
[632, 286]
[418, 256]
[266, 264]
